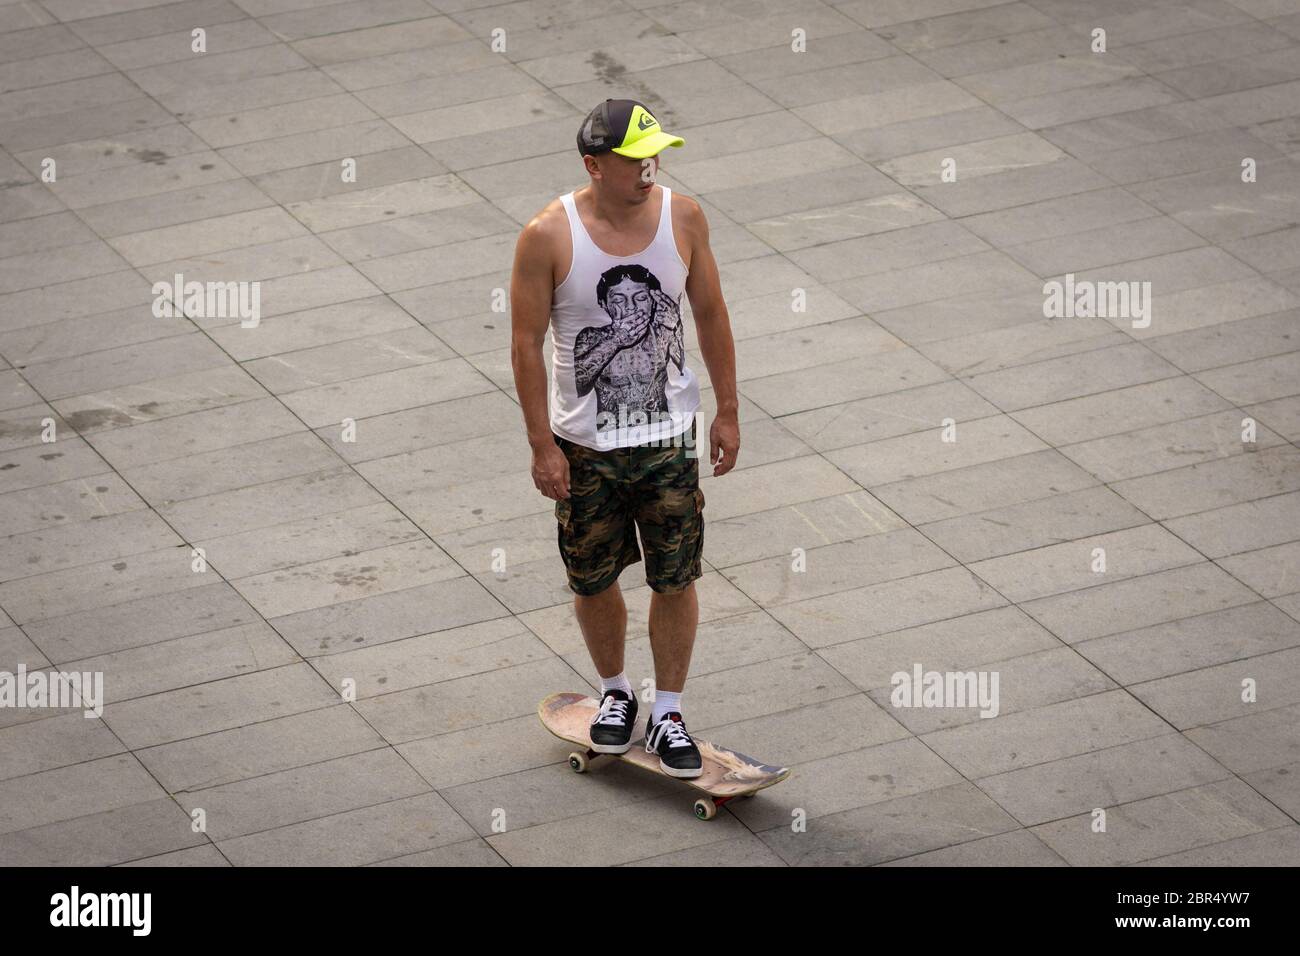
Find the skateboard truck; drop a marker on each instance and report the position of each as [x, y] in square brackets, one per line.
[706, 808]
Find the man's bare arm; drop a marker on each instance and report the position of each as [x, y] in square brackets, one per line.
[713, 327]
[593, 349]
[531, 288]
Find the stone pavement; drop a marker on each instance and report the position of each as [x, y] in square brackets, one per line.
[349, 672]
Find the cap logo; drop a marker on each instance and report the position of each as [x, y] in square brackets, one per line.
[645, 122]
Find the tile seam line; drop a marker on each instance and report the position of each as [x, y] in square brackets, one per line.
[909, 735]
[15, 361]
[1207, 846]
[1231, 776]
[254, 611]
[386, 745]
[1126, 689]
[352, 469]
[135, 751]
[126, 750]
[476, 839]
[1089, 488]
[44, 86]
[1152, 522]
[289, 40]
[817, 654]
[86, 436]
[963, 566]
[720, 567]
[25, 59]
[989, 105]
[344, 462]
[1037, 839]
[996, 591]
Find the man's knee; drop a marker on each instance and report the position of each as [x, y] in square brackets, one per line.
[597, 592]
[671, 591]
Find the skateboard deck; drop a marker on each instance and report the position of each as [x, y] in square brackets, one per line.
[725, 775]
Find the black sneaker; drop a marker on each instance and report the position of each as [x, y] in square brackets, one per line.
[678, 755]
[611, 727]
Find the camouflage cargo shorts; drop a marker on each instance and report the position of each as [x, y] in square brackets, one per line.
[611, 495]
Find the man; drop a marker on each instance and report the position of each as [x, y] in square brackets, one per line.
[604, 267]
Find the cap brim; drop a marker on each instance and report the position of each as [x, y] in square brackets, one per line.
[650, 145]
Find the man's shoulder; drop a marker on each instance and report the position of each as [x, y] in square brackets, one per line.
[547, 229]
[688, 213]
[688, 205]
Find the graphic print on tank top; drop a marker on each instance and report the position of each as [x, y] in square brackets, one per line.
[626, 361]
[620, 373]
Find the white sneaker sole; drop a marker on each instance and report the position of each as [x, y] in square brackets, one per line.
[612, 748]
[685, 773]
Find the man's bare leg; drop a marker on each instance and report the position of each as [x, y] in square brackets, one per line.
[603, 620]
[673, 620]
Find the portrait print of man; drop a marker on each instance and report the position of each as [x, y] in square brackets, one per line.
[626, 361]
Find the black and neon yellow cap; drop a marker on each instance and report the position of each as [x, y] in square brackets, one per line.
[625, 127]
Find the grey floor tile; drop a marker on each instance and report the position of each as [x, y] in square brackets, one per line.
[1279, 847]
[189, 661]
[141, 621]
[365, 835]
[475, 852]
[107, 837]
[1163, 825]
[983, 487]
[219, 705]
[304, 793]
[52, 742]
[1165, 447]
[353, 644]
[1014, 848]
[1048, 733]
[1112, 775]
[99, 585]
[1192, 642]
[1074, 565]
[260, 748]
[1251, 743]
[205, 854]
[846, 616]
[1214, 694]
[901, 827]
[1138, 602]
[65, 793]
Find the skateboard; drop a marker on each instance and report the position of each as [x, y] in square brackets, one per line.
[726, 774]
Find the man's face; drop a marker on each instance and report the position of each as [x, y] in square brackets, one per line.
[631, 178]
[627, 300]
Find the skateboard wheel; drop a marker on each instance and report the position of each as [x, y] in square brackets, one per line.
[578, 762]
[705, 809]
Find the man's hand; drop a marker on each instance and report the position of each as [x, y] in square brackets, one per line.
[724, 444]
[667, 312]
[551, 471]
[631, 327]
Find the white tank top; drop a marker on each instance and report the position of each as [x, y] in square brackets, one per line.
[618, 363]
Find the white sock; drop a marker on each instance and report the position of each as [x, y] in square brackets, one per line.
[618, 682]
[665, 701]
